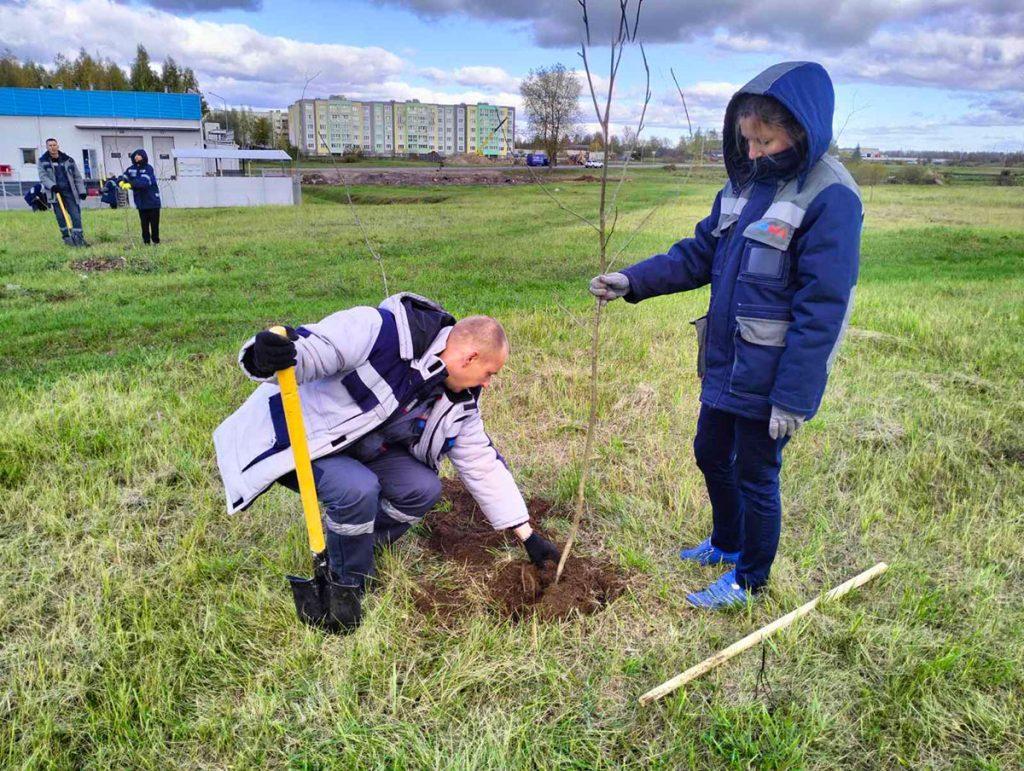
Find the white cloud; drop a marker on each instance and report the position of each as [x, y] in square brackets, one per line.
[492, 78]
[400, 90]
[237, 61]
[245, 66]
[955, 44]
[921, 57]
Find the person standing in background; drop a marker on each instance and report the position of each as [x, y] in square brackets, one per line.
[141, 177]
[63, 183]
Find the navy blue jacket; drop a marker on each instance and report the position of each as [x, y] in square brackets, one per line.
[142, 178]
[781, 252]
[108, 192]
[36, 198]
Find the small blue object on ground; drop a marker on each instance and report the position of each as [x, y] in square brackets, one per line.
[723, 593]
[706, 554]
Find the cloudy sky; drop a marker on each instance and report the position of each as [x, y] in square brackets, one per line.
[926, 74]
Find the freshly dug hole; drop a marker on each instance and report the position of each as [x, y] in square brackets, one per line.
[587, 585]
[515, 589]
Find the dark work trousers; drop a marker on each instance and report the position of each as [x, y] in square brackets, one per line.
[369, 504]
[150, 221]
[68, 230]
[741, 465]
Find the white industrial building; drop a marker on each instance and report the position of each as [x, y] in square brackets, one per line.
[99, 129]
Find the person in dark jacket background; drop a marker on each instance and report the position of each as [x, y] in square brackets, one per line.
[61, 179]
[781, 251]
[108, 192]
[146, 194]
[36, 198]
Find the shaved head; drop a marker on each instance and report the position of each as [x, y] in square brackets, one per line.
[483, 333]
[475, 352]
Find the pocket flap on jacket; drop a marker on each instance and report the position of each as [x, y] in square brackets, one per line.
[763, 331]
[770, 232]
[765, 262]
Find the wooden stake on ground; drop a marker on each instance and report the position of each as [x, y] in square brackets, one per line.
[763, 633]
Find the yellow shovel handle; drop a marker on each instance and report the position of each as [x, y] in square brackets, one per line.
[67, 219]
[300, 449]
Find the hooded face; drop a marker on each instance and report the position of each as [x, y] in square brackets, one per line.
[805, 90]
[762, 139]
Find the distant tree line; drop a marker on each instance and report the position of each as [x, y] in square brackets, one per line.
[652, 148]
[251, 130]
[95, 73]
[973, 158]
[551, 106]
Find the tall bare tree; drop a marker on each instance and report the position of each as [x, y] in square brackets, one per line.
[624, 36]
[551, 97]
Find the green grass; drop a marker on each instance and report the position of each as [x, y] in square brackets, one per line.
[140, 626]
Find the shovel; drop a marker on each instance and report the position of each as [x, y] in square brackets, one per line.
[70, 238]
[319, 601]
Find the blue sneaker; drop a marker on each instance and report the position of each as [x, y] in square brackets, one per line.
[706, 554]
[723, 593]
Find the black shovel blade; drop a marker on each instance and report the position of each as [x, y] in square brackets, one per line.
[326, 605]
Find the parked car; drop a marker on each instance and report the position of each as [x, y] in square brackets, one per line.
[594, 164]
[538, 159]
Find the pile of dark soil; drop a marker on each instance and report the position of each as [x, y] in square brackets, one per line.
[516, 589]
[98, 264]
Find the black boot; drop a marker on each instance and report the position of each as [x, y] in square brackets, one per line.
[323, 602]
[346, 606]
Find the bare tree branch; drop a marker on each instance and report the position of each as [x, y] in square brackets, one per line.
[615, 220]
[636, 139]
[586, 21]
[575, 318]
[590, 84]
[637, 229]
[636, 21]
[604, 118]
[689, 126]
[853, 111]
[689, 172]
[560, 205]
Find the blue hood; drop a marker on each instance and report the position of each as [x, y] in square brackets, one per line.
[145, 158]
[806, 90]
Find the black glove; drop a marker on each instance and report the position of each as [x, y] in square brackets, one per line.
[541, 550]
[82, 196]
[271, 353]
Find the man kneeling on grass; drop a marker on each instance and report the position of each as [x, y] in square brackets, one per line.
[386, 394]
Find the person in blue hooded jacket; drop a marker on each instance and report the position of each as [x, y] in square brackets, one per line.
[781, 252]
[146, 194]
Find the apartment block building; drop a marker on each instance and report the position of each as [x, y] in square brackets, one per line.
[278, 123]
[337, 125]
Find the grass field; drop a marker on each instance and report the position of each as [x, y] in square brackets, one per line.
[140, 626]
